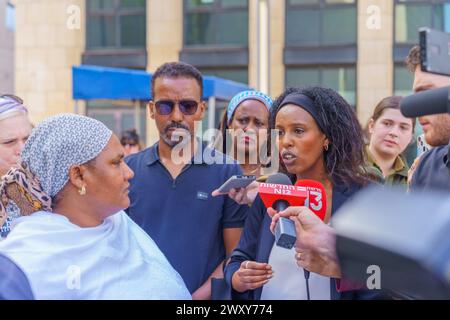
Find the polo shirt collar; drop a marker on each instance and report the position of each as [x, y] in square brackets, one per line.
[153, 155]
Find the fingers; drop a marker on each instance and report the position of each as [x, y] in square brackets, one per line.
[252, 275]
[256, 279]
[307, 218]
[239, 196]
[255, 265]
[216, 193]
[271, 212]
[273, 224]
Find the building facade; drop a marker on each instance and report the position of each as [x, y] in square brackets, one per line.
[354, 46]
[7, 27]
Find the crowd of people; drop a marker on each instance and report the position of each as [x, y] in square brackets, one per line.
[85, 214]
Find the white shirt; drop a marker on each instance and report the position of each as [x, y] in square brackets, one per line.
[115, 260]
[288, 282]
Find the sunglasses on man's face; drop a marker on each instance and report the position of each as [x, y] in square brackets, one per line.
[187, 107]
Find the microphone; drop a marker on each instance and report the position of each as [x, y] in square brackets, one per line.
[427, 102]
[279, 193]
[317, 199]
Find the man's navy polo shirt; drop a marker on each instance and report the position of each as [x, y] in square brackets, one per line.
[180, 215]
[433, 171]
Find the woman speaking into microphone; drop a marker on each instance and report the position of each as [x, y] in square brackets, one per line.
[320, 139]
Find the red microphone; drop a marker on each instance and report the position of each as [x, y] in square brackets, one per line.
[317, 198]
[271, 193]
[279, 193]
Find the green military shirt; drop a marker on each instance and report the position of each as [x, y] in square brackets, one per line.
[398, 176]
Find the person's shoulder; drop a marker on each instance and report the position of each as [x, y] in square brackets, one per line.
[134, 159]
[428, 158]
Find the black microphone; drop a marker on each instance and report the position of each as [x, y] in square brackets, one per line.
[427, 102]
[285, 235]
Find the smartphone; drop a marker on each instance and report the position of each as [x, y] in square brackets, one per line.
[435, 51]
[237, 181]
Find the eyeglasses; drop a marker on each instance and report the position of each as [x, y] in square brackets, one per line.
[12, 97]
[187, 107]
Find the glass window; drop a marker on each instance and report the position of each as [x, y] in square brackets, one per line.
[442, 17]
[342, 79]
[10, 19]
[116, 24]
[100, 4]
[234, 74]
[119, 116]
[200, 29]
[132, 30]
[132, 3]
[339, 25]
[101, 31]
[403, 81]
[232, 28]
[193, 4]
[320, 22]
[306, 20]
[219, 22]
[411, 15]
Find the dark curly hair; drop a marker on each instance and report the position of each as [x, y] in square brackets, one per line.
[344, 160]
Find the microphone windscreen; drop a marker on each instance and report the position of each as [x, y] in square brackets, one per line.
[279, 178]
[427, 102]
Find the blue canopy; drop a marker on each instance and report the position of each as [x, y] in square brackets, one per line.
[93, 82]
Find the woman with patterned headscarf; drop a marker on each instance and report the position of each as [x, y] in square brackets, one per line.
[78, 243]
[14, 131]
[244, 132]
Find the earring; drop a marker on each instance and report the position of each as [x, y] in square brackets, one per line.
[326, 147]
[82, 191]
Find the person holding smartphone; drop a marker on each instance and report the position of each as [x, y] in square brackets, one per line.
[320, 139]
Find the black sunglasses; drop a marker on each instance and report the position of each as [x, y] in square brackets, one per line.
[12, 97]
[187, 107]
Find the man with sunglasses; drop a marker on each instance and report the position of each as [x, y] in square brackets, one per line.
[171, 190]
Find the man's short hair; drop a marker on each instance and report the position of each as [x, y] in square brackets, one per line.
[413, 59]
[177, 70]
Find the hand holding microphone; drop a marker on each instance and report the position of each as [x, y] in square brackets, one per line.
[315, 240]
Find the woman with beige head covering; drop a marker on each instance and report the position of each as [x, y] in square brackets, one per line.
[14, 131]
[79, 244]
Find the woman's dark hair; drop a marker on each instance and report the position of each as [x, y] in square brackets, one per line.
[223, 126]
[344, 160]
[129, 136]
[389, 103]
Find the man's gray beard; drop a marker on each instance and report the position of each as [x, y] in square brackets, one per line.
[177, 140]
